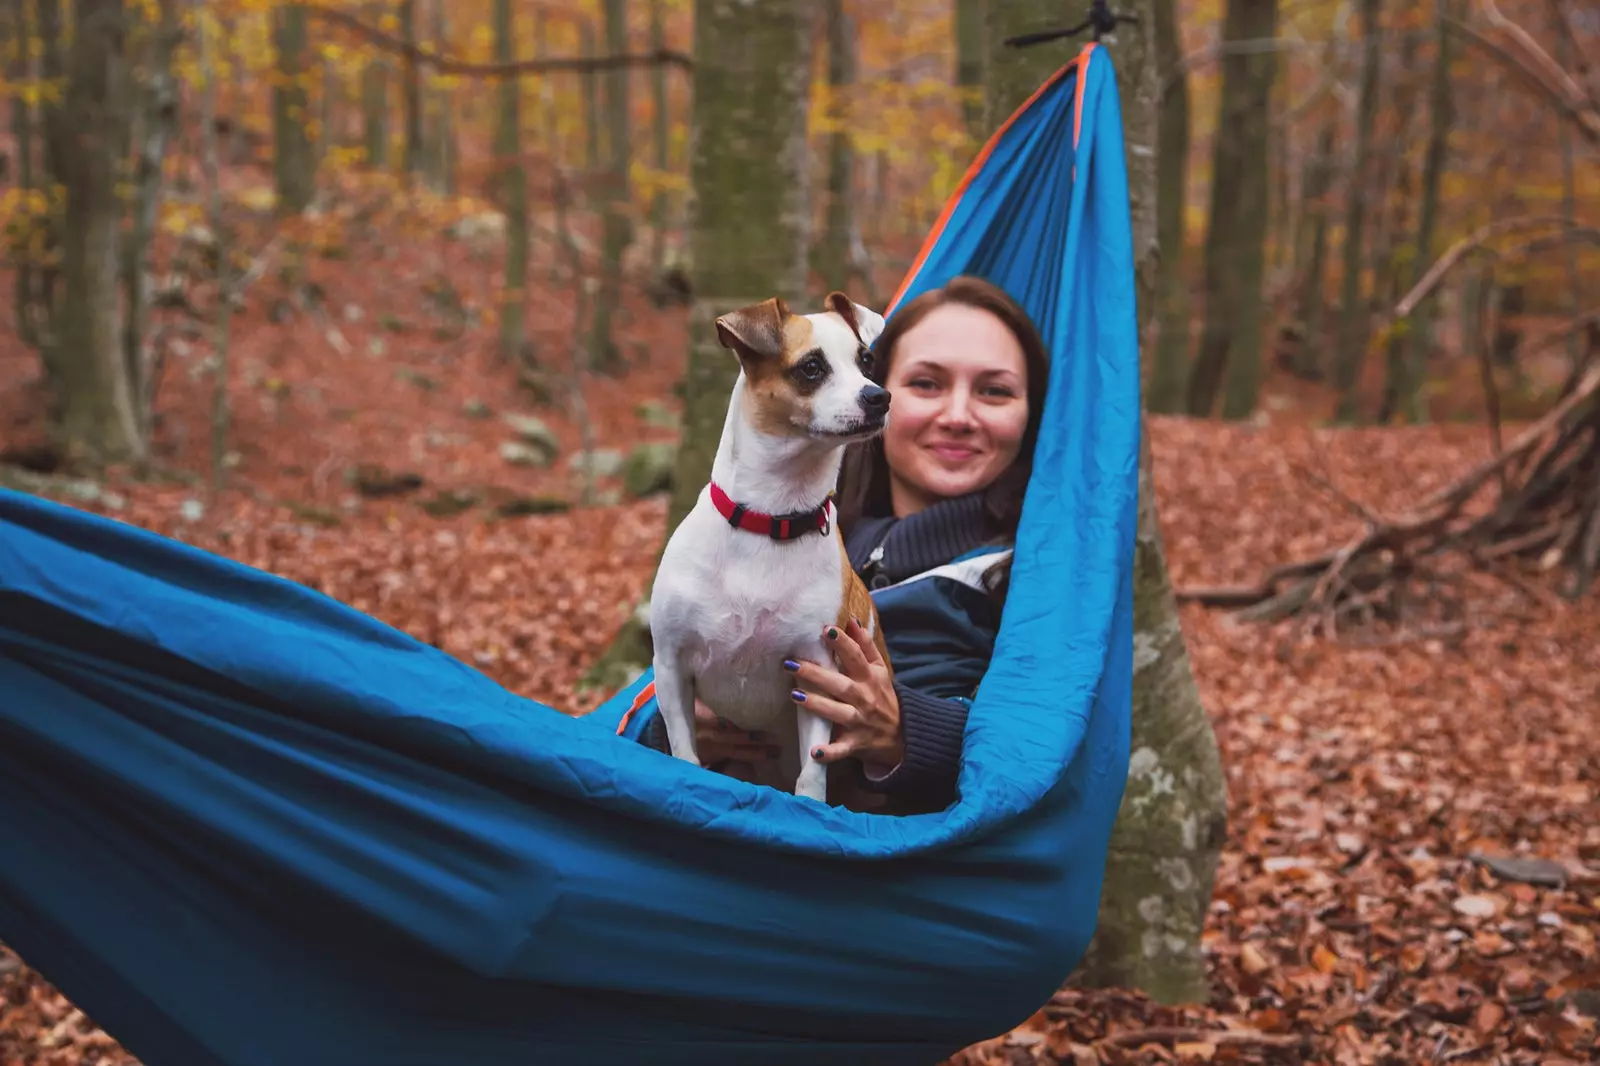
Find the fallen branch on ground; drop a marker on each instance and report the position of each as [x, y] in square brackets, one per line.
[1545, 512]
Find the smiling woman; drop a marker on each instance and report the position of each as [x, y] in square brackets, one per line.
[929, 511]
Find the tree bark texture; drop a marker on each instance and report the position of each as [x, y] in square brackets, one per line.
[832, 259]
[748, 160]
[1235, 253]
[375, 102]
[1350, 348]
[513, 186]
[412, 90]
[87, 132]
[1169, 834]
[969, 66]
[294, 162]
[604, 355]
[1170, 372]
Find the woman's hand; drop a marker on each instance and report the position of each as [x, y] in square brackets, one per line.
[858, 698]
[718, 742]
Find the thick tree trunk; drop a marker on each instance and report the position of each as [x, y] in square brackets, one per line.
[604, 355]
[411, 90]
[751, 81]
[513, 187]
[1164, 393]
[1230, 340]
[88, 129]
[375, 101]
[1169, 835]
[969, 65]
[294, 163]
[591, 102]
[1351, 346]
[832, 259]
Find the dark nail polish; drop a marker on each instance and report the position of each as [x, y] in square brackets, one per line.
[790, 665]
[816, 753]
[797, 696]
[833, 634]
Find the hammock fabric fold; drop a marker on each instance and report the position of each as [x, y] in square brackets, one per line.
[242, 824]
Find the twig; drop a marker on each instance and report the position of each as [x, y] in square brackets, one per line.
[447, 65]
[1472, 241]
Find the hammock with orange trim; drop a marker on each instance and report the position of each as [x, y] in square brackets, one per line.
[242, 824]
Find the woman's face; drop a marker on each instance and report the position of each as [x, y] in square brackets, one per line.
[959, 383]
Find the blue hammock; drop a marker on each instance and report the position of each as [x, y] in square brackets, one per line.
[242, 824]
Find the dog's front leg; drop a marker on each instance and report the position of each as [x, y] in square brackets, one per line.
[675, 700]
[815, 731]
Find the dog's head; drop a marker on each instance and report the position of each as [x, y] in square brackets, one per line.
[806, 375]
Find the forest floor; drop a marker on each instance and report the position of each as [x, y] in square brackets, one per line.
[1354, 920]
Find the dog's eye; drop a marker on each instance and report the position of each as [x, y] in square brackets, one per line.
[864, 361]
[812, 368]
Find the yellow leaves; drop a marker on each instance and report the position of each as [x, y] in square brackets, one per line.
[258, 198]
[33, 92]
[179, 218]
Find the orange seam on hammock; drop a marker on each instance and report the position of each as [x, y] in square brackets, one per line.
[972, 172]
[644, 697]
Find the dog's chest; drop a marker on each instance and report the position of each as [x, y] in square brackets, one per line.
[741, 611]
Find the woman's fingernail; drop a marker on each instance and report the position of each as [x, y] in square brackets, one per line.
[797, 696]
[833, 633]
[816, 753]
[790, 665]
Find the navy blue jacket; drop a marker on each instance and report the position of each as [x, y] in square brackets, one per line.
[928, 576]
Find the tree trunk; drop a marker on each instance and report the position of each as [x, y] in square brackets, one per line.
[749, 160]
[832, 260]
[1419, 327]
[513, 187]
[1169, 835]
[1311, 273]
[1165, 391]
[294, 163]
[444, 138]
[156, 122]
[660, 213]
[88, 130]
[375, 101]
[604, 356]
[969, 66]
[591, 102]
[1569, 191]
[1230, 339]
[1350, 348]
[32, 305]
[412, 90]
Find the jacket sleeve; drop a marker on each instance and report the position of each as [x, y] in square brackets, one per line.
[933, 727]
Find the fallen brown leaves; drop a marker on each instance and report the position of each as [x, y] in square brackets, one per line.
[1357, 919]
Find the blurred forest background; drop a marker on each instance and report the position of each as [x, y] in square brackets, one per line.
[400, 299]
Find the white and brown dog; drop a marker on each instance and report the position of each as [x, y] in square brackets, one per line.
[758, 567]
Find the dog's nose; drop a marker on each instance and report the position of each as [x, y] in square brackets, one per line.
[875, 398]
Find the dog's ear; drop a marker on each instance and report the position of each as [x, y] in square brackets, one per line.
[755, 331]
[865, 324]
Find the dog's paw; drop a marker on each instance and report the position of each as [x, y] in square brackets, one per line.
[813, 782]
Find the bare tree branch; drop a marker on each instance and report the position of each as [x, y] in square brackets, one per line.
[463, 68]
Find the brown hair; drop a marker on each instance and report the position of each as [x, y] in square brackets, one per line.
[864, 475]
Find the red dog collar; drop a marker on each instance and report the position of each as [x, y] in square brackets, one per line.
[778, 527]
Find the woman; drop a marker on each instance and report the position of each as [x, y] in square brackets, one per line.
[929, 511]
